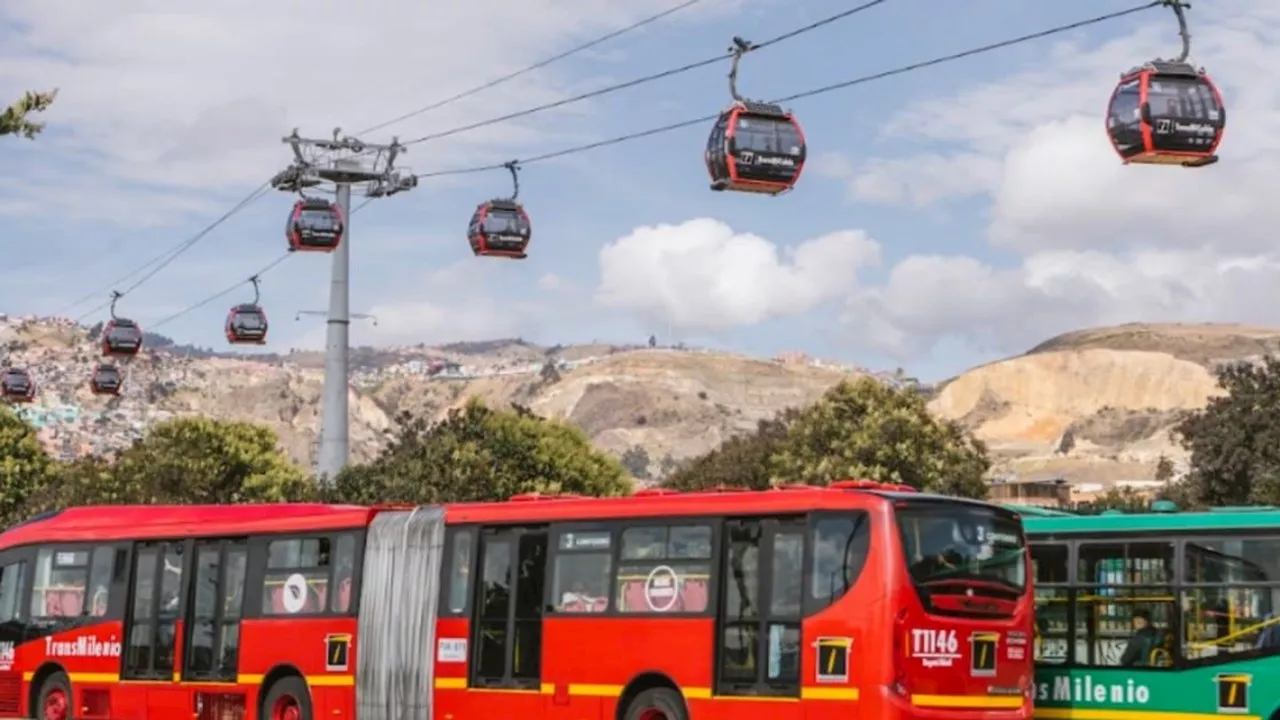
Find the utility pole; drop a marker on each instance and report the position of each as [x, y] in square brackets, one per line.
[344, 162]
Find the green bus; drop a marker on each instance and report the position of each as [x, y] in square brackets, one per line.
[1163, 615]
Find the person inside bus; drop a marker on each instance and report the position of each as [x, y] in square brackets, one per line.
[1144, 640]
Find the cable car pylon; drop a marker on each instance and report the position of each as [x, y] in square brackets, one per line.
[344, 162]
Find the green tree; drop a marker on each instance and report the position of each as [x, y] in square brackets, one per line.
[25, 468]
[194, 460]
[741, 461]
[15, 118]
[1235, 440]
[869, 430]
[1164, 469]
[478, 453]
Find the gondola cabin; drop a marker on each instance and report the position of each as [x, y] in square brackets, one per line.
[247, 325]
[500, 228]
[315, 225]
[1166, 114]
[106, 380]
[17, 386]
[755, 147]
[121, 338]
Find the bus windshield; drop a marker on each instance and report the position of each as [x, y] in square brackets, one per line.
[962, 543]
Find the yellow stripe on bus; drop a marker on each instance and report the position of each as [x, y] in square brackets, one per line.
[692, 693]
[242, 679]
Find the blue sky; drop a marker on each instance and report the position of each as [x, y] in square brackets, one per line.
[953, 215]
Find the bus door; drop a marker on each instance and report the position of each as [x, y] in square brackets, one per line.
[211, 626]
[506, 628]
[15, 578]
[758, 644]
[153, 631]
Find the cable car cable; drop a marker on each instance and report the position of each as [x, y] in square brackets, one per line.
[536, 66]
[164, 258]
[223, 292]
[635, 82]
[232, 288]
[160, 262]
[811, 93]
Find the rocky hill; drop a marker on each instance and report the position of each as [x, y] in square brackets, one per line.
[673, 402]
[1116, 390]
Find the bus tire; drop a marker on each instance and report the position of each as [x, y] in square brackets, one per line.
[287, 699]
[55, 698]
[657, 704]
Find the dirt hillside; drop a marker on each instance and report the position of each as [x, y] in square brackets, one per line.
[1118, 390]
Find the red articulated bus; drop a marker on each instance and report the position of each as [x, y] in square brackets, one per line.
[801, 603]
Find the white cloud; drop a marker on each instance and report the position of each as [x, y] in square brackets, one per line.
[198, 98]
[1094, 242]
[701, 275]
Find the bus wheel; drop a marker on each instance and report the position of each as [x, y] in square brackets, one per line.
[657, 704]
[288, 699]
[55, 698]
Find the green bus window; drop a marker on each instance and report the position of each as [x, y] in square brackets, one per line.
[1229, 606]
[1124, 605]
[1053, 633]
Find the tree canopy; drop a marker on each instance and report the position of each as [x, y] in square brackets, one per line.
[861, 429]
[25, 468]
[741, 461]
[478, 453]
[1235, 440]
[186, 461]
[16, 119]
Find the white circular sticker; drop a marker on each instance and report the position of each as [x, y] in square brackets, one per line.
[295, 593]
[661, 589]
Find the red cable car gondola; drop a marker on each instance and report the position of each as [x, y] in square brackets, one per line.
[121, 337]
[754, 147]
[17, 386]
[1167, 112]
[500, 227]
[315, 225]
[247, 322]
[106, 380]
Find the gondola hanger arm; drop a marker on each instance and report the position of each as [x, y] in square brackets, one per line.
[115, 297]
[514, 167]
[1179, 10]
[256, 291]
[740, 47]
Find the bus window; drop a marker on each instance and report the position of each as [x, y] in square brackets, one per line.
[297, 577]
[1232, 608]
[101, 570]
[61, 578]
[839, 552]
[583, 568]
[1124, 611]
[1052, 633]
[343, 573]
[664, 568]
[459, 571]
[11, 591]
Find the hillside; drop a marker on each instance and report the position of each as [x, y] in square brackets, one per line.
[1118, 390]
[672, 402]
